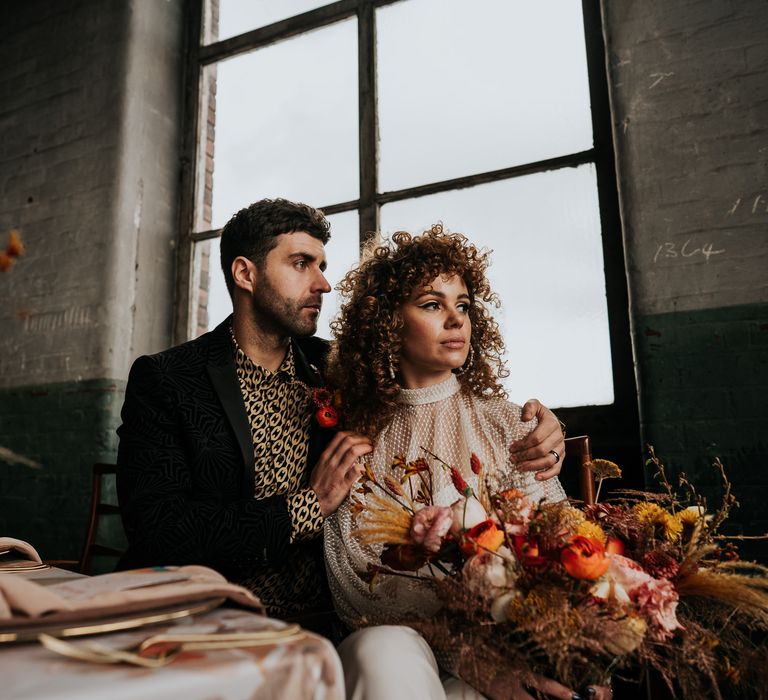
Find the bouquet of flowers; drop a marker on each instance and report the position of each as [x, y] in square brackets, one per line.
[575, 593]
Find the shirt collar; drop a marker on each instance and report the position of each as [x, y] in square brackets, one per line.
[286, 370]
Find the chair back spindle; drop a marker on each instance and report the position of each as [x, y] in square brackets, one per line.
[98, 509]
[579, 450]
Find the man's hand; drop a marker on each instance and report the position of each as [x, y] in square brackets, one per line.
[338, 469]
[536, 451]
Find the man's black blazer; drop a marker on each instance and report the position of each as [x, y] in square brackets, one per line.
[185, 477]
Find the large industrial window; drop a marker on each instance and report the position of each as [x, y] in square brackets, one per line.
[489, 116]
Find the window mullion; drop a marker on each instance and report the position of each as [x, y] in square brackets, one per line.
[188, 174]
[366, 52]
[608, 198]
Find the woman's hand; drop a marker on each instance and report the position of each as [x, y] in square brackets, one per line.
[543, 449]
[505, 687]
[508, 687]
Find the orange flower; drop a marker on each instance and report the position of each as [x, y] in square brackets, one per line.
[527, 550]
[614, 546]
[510, 494]
[6, 262]
[327, 416]
[15, 246]
[483, 536]
[584, 558]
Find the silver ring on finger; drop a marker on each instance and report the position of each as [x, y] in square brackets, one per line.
[557, 456]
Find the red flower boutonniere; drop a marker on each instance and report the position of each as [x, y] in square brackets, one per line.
[326, 414]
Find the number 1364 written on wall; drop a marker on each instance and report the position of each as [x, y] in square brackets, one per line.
[669, 250]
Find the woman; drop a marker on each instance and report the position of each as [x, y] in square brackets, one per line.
[417, 362]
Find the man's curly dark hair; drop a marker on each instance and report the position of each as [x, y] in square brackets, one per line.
[253, 231]
[368, 332]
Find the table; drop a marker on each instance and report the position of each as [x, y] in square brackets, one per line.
[306, 668]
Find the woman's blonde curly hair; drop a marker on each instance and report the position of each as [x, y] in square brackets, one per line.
[369, 330]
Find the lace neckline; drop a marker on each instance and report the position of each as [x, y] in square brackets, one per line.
[429, 394]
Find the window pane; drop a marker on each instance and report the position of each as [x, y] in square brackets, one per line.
[286, 122]
[544, 231]
[466, 87]
[238, 16]
[208, 299]
[342, 252]
[219, 303]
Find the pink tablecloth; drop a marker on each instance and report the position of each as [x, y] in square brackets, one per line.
[294, 670]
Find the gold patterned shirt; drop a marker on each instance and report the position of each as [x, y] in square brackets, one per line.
[280, 417]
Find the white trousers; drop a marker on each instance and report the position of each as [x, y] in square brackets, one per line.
[391, 662]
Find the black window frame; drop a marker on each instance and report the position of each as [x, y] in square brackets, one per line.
[615, 427]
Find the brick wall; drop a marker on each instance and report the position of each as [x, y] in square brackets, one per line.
[89, 112]
[689, 89]
[206, 251]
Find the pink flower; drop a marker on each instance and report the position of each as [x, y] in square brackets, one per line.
[430, 525]
[489, 575]
[656, 598]
[626, 572]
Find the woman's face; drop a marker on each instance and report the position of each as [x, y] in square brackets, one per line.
[436, 331]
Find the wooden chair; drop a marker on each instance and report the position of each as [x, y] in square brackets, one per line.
[98, 509]
[578, 450]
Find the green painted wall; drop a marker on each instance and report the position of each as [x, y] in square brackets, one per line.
[704, 393]
[689, 105]
[66, 428]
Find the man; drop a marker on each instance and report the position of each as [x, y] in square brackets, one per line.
[220, 460]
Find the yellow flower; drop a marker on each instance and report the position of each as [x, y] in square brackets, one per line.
[572, 517]
[604, 469]
[692, 521]
[664, 524]
[563, 520]
[528, 609]
[648, 512]
[593, 530]
[672, 528]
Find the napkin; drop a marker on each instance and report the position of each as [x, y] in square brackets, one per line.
[26, 550]
[24, 602]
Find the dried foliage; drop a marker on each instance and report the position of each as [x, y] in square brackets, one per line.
[582, 594]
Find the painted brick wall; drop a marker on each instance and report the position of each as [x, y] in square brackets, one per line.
[89, 117]
[689, 89]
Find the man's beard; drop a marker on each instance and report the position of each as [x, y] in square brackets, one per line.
[281, 314]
